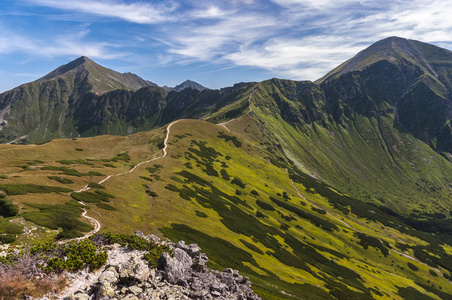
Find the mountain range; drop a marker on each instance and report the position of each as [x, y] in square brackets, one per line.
[334, 189]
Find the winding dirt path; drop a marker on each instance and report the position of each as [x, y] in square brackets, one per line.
[95, 222]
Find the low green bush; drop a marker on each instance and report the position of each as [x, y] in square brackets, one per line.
[88, 197]
[8, 209]
[72, 256]
[252, 247]
[93, 173]
[228, 138]
[60, 216]
[7, 227]
[201, 214]
[122, 156]
[7, 238]
[23, 189]
[238, 182]
[265, 206]
[61, 179]
[95, 185]
[224, 174]
[66, 162]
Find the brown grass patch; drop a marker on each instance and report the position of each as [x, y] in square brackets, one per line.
[24, 278]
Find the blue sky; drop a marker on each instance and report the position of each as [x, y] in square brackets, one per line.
[216, 43]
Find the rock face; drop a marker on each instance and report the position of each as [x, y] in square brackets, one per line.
[183, 275]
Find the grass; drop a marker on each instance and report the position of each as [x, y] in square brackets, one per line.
[302, 258]
[22, 189]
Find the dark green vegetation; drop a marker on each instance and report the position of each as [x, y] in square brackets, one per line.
[7, 208]
[22, 189]
[61, 179]
[59, 216]
[9, 230]
[71, 256]
[92, 197]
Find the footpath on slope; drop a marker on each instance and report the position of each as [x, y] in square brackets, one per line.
[249, 107]
[95, 222]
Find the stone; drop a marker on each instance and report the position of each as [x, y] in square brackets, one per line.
[153, 238]
[135, 290]
[109, 275]
[135, 269]
[182, 276]
[175, 268]
[79, 296]
[106, 290]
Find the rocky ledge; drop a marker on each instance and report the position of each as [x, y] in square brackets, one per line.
[183, 275]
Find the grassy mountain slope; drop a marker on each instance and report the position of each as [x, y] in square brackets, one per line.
[370, 157]
[235, 195]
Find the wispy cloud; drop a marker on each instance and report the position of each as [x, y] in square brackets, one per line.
[136, 12]
[307, 38]
[67, 44]
[218, 39]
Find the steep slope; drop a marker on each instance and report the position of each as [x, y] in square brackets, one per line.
[370, 127]
[410, 78]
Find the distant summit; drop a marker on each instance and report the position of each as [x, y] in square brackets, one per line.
[99, 78]
[189, 84]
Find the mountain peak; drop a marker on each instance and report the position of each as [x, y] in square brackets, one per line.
[100, 79]
[73, 65]
[395, 50]
[189, 84]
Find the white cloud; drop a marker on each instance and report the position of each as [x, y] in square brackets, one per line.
[315, 4]
[138, 12]
[220, 38]
[302, 59]
[68, 44]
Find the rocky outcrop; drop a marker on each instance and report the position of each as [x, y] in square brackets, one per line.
[182, 275]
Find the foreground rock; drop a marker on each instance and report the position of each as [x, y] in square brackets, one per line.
[184, 275]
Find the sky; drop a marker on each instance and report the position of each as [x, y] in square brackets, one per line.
[215, 43]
